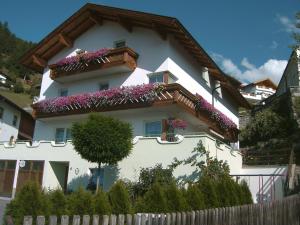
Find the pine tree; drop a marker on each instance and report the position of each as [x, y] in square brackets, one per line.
[101, 203]
[246, 193]
[208, 189]
[175, 198]
[194, 197]
[155, 200]
[80, 202]
[119, 199]
[58, 203]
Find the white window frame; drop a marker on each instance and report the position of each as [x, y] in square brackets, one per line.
[65, 136]
[63, 90]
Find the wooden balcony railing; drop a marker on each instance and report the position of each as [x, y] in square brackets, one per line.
[169, 94]
[124, 58]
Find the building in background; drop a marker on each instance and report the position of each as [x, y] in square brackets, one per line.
[257, 91]
[15, 122]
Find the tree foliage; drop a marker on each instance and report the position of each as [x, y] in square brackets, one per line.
[11, 49]
[263, 126]
[101, 203]
[102, 139]
[176, 200]
[58, 203]
[119, 198]
[194, 197]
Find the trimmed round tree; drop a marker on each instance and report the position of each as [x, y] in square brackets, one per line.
[102, 140]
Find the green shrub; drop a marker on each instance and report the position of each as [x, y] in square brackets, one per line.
[30, 200]
[119, 198]
[18, 87]
[101, 203]
[194, 197]
[58, 203]
[223, 193]
[247, 196]
[154, 201]
[80, 202]
[208, 189]
[263, 126]
[175, 198]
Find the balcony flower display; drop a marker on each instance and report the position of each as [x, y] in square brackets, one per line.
[86, 57]
[223, 121]
[177, 124]
[130, 94]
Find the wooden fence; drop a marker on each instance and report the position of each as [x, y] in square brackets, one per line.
[283, 212]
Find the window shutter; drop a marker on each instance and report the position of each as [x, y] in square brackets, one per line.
[164, 123]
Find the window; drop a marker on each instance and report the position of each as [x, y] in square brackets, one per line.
[103, 86]
[162, 77]
[1, 112]
[68, 134]
[63, 92]
[120, 44]
[153, 129]
[59, 135]
[62, 135]
[15, 120]
[156, 78]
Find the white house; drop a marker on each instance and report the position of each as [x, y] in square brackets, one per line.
[258, 91]
[102, 53]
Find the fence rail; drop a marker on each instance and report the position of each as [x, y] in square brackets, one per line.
[281, 212]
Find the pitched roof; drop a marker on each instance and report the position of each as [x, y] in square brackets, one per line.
[266, 82]
[90, 14]
[18, 101]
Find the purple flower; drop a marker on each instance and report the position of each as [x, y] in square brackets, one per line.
[223, 121]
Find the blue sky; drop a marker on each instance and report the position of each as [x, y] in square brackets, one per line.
[248, 39]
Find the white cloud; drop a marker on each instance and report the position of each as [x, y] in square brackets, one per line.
[272, 68]
[287, 24]
[274, 45]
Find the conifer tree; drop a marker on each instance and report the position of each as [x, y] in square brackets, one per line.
[119, 199]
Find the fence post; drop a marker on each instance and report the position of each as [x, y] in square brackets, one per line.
[128, 219]
[52, 220]
[121, 219]
[112, 219]
[86, 220]
[76, 220]
[105, 220]
[40, 220]
[27, 220]
[162, 219]
[173, 218]
[168, 219]
[64, 220]
[95, 220]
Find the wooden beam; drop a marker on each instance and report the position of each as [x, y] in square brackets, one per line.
[125, 23]
[162, 33]
[65, 40]
[96, 19]
[39, 61]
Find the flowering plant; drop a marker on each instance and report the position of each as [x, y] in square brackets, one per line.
[86, 57]
[223, 121]
[130, 94]
[177, 123]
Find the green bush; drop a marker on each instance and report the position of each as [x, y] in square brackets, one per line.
[154, 201]
[80, 202]
[263, 126]
[18, 87]
[194, 197]
[119, 199]
[224, 194]
[30, 200]
[247, 196]
[208, 189]
[58, 203]
[101, 203]
[175, 198]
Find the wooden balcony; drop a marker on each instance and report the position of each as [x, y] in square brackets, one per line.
[169, 95]
[117, 60]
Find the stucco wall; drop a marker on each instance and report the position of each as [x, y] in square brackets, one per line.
[146, 152]
[155, 55]
[6, 126]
